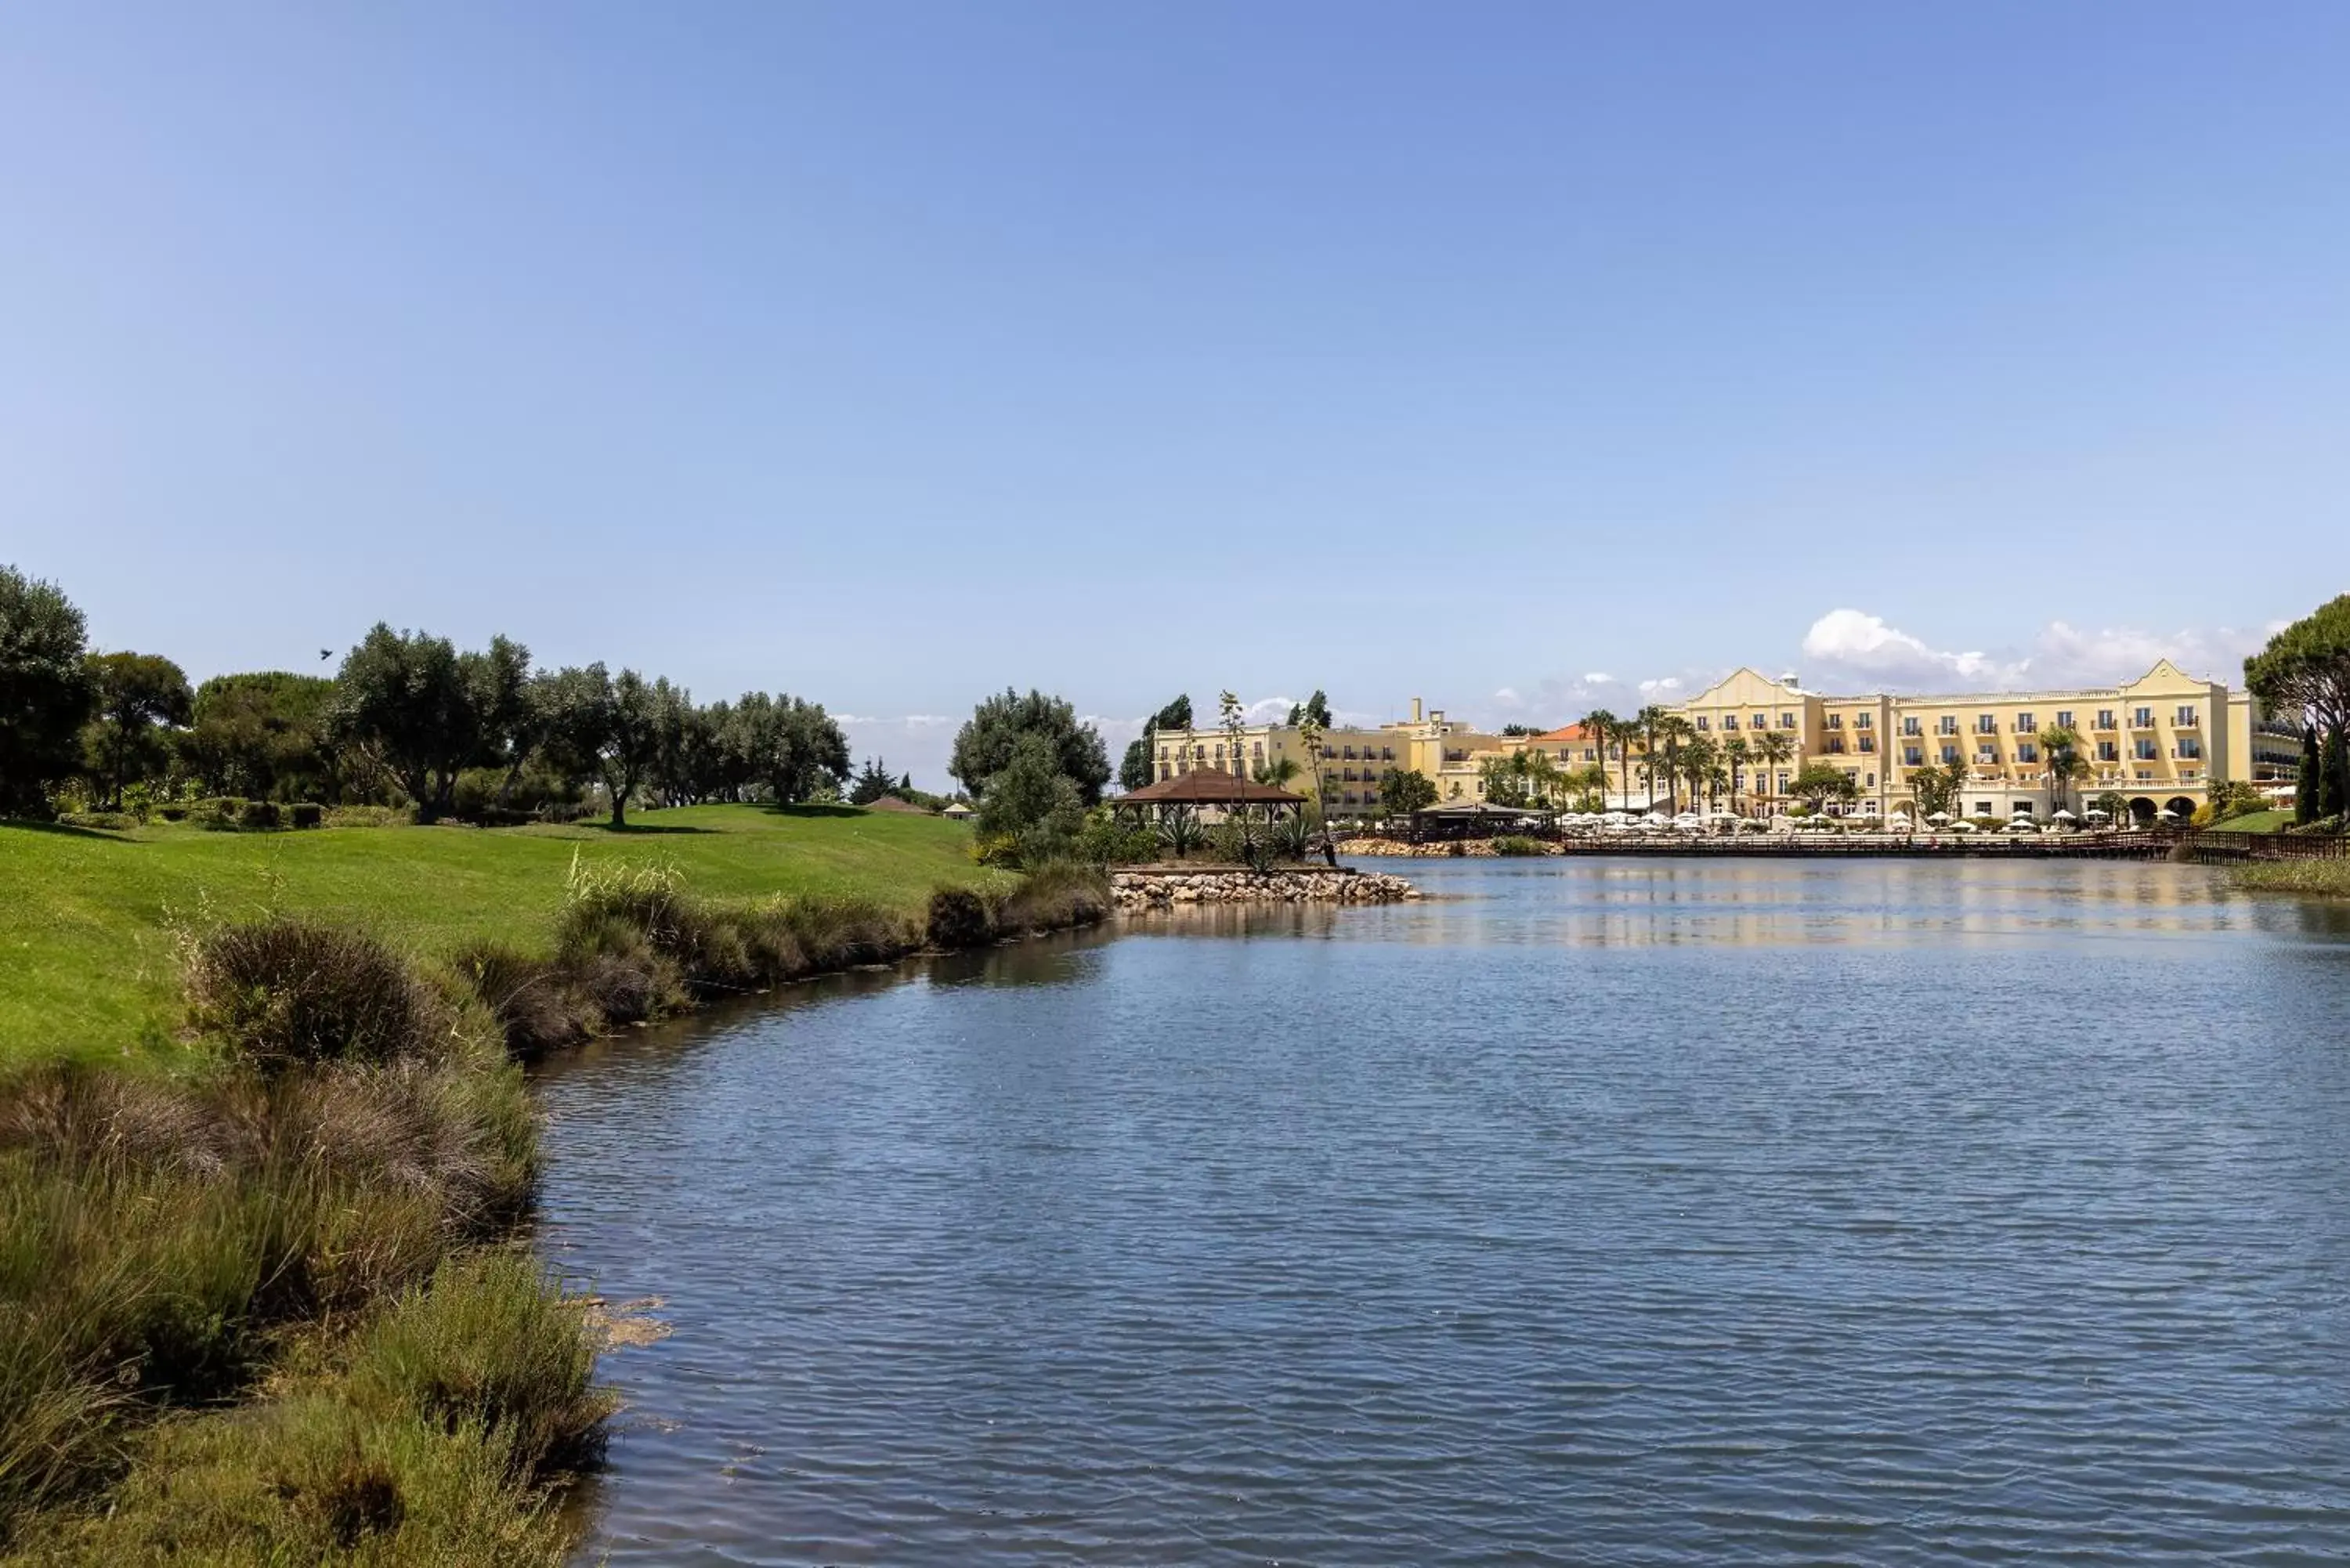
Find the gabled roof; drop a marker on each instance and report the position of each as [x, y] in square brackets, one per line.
[1209, 787]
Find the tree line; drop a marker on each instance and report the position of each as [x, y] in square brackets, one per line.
[407, 719]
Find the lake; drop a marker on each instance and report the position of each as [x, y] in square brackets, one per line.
[1588, 1210]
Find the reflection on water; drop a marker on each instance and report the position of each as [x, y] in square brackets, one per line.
[1582, 1211]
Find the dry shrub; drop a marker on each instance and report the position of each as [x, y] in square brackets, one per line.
[960, 918]
[535, 1007]
[1055, 897]
[287, 991]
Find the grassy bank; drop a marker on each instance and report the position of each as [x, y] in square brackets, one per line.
[2255, 821]
[261, 1294]
[2324, 878]
[86, 964]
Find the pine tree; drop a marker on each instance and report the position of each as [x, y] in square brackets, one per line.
[2334, 799]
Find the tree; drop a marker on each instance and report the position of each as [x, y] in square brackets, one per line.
[2308, 783]
[404, 697]
[264, 734]
[1936, 789]
[2112, 804]
[1775, 749]
[1817, 783]
[1607, 729]
[872, 783]
[1674, 734]
[1136, 770]
[983, 745]
[1403, 791]
[1699, 759]
[602, 727]
[2062, 744]
[1031, 801]
[1316, 707]
[504, 717]
[45, 690]
[1736, 753]
[2304, 670]
[139, 697]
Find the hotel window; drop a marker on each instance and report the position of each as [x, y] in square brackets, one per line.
[1835, 745]
[2145, 750]
[1729, 720]
[2064, 717]
[1911, 727]
[2142, 719]
[1986, 723]
[2026, 752]
[1950, 755]
[1863, 720]
[1762, 720]
[1913, 756]
[1162, 754]
[1868, 743]
[1986, 756]
[2105, 718]
[2108, 753]
[1835, 721]
[1786, 720]
[2186, 716]
[1703, 724]
[2190, 748]
[2024, 725]
[1948, 725]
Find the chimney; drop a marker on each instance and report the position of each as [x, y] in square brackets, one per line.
[1414, 710]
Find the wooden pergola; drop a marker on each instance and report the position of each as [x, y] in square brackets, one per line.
[1205, 787]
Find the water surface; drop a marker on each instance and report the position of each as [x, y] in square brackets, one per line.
[1589, 1211]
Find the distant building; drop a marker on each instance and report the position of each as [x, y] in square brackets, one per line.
[2160, 742]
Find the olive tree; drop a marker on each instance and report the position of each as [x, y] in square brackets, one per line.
[45, 690]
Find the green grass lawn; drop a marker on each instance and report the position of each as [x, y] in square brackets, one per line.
[86, 962]
[2258, 822]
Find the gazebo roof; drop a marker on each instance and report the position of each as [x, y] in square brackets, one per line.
[1209, 787]
[1473, 808]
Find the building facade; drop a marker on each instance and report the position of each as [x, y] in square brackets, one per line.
[2160, 742]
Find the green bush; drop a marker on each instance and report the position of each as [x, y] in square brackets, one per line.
[259, 814]
[103, 821]
[1515, 844]
[367, 815]
[1055, 898]
[307, 814]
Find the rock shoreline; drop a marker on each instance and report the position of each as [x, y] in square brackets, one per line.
[1139, 892]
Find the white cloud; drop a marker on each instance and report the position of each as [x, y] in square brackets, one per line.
[1664, 688]
[1861, 648]
[1599, 678]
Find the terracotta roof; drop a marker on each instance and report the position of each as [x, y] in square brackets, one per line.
[1209, 787]
[1568, 732]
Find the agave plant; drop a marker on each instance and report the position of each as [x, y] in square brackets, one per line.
[1180, 831]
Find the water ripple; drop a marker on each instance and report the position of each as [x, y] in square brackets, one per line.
[1587, 1212]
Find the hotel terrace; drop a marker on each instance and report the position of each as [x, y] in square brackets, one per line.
[2160, 742]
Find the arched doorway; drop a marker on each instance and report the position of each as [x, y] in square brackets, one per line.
[2179, 807]
[2142, 811]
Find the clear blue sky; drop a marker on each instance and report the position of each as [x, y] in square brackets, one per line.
[888, 353]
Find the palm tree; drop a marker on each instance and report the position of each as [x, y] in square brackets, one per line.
[1606, 729]
[1736, 753]
[1277, 771]
[1700, 759]
[1774, 748]
[2065, 762]
[1675, 733]
[1646, 723]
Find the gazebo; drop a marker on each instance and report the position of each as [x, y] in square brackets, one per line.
[1204, 790]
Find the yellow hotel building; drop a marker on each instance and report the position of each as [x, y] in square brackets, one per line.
[2160, 742]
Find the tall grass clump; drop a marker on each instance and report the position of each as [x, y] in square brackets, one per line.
[1055, 897]
[288, 992]
[432, 1435]
[161, 1238]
